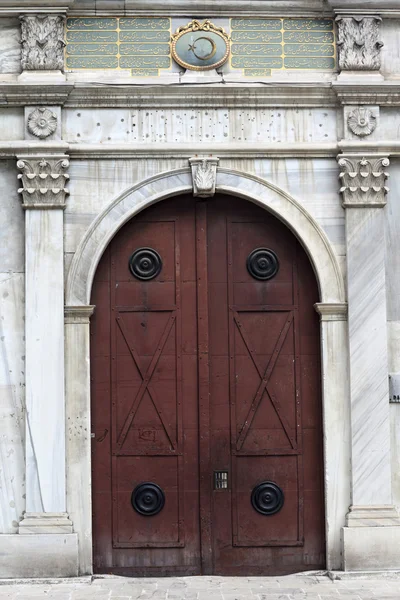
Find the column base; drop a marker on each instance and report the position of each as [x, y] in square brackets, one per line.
[384, 515]
[43, 523]
[371, 548]
[38, 556]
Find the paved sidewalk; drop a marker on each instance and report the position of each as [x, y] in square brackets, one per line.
[291, 587]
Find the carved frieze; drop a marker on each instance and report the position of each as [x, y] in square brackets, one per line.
[204, 175]
[359, 44]
[361, 121]
[42, 39]
[363, 180]
[43, 180]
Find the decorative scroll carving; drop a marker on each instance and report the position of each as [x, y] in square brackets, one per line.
[42, 39]
[361, 121]
[42, 122]
[363, 181]
[359, 44]
[204, 174]
[43, 180]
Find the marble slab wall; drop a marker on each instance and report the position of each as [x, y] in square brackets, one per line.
[12, 352]
[10, 47]
[390, 34]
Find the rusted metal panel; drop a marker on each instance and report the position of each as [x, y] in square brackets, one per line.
[205, 360]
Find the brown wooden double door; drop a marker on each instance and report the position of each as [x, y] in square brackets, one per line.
[206, 408]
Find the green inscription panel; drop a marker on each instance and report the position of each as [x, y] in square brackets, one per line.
[259, 45]
[141, 44]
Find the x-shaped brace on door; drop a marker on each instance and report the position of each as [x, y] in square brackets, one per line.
[146, 379]
[263, 386]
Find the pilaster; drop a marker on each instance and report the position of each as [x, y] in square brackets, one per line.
[78, 428]
[43, 187]
[364, 191]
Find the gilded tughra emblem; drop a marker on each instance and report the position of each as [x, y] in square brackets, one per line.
[200, 46]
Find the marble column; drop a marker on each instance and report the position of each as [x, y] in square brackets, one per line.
[78, 442]
[372, 523]
[43, 190]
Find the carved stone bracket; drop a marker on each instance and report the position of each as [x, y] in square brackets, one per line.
[204, 175]
[363, 180]
[358, 43]
[42, 39]
[43, 180]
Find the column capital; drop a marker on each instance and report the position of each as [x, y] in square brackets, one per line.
[363, 180]
[78, 315]
[43, 180]
[42, 41]
[331, 311]
[359, 43]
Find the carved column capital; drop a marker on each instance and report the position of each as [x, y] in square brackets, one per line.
[43, 180]
[42, 39]
[204, 175]
[359, 43]
[363, 180]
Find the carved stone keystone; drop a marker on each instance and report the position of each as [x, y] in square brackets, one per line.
[358, 43]
[363, 180]
[204, 175]
[42, 39]
[43, 180]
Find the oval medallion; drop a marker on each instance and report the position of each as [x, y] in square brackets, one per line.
[262, 264]
[267, 498]
[145, 264]
[148, 499]
[200, 46]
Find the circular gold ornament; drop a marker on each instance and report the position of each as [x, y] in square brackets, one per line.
[200, 46]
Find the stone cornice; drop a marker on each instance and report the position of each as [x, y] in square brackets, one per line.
[23, 7]
[203, 7]
[173, 95]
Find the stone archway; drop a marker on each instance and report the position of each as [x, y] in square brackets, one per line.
[332, 309]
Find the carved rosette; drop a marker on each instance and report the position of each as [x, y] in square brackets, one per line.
[358, 43]
[204, 175]
[42, 39]
[43, 180]
[361, 121]
[42, 122]
[363, 181]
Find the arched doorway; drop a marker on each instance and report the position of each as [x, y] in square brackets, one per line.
[206, 401]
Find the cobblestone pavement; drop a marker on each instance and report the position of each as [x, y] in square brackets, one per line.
[291, 587]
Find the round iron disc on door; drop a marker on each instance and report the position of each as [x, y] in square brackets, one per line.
[267, 498]
[145, 264]
[262, 264]
[148, 499]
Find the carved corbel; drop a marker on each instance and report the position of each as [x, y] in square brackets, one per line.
[363, 181]
[42, 39]
[358, 43]
[44, 180]
[204, 175]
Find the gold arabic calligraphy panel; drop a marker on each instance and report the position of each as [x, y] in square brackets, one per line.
[143, 44]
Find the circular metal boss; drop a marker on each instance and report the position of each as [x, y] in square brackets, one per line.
[148, 499]
[267, 498]
[145, 264]
[262, 264]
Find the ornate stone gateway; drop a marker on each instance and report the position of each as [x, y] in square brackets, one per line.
[206, 403]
